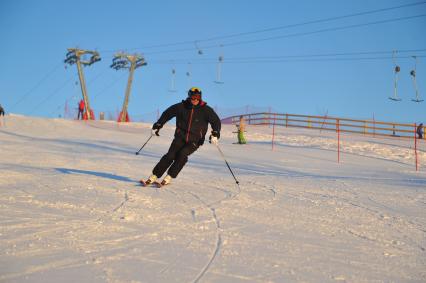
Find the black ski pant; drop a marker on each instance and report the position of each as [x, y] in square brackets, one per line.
[177, 156]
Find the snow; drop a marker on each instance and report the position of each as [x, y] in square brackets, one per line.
[71, 209]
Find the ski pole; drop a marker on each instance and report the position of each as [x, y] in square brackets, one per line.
[227, 164]
[152, 134]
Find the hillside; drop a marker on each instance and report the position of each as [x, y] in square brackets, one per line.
[72, 211]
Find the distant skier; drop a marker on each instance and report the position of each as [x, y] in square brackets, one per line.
[1, 111]
[80, 109]
[192, 119]
[241, 129]
[420, 130]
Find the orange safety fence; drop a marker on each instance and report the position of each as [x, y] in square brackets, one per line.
[335, 124]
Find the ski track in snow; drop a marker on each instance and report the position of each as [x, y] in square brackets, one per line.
[70, 207]
[212, 207]
[218, 237]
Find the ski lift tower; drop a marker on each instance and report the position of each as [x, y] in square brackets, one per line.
[122, 61]
[76, 56]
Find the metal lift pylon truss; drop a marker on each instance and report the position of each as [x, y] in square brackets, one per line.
[131, 62]
[76, 56]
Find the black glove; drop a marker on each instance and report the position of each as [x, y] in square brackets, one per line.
[156, 127]
[215, 135]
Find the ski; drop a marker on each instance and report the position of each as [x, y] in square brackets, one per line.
[145, 183]
[159, 185]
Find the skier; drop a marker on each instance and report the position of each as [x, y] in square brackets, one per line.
[192, 119]
[80, 109]
[420, 130]
[241, 129]
[1, 111]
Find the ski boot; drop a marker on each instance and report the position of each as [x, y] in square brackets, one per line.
[152, 179]
[165, 181]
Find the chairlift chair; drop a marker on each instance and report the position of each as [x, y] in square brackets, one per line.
[397, 70]
[413, 75]
[219, 70]
[172, 88]
[199, 51]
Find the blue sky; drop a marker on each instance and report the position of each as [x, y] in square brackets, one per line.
[36, 34]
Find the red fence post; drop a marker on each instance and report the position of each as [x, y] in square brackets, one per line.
[415, 145]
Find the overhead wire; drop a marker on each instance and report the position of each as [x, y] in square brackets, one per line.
[316, 21]
[230, 60]
[109, 85]
[100, 74]
[45, 77]
[50, 95]
[292, 35]
[215, 38]
[326, 30]
[258, 61]
[326, 59]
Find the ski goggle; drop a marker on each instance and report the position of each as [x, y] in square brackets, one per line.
[195, 97]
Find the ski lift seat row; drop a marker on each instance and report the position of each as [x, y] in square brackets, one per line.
[397, 69]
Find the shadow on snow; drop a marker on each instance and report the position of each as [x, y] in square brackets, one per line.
[94, 173]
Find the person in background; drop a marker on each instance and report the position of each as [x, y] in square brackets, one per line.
[192, 119]
[1, 111]
[80, 109]
[420, 130]
[241, 128]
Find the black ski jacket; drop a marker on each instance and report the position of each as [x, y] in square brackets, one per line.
[191, 121]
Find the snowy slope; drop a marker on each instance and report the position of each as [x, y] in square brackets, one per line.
[71, 209]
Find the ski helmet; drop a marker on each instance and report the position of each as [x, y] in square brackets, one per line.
[194, 91]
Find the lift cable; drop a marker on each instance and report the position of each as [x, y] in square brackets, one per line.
[302, 56]
[291, 35]
[45, 77]
[65, 83]
[191, 42]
